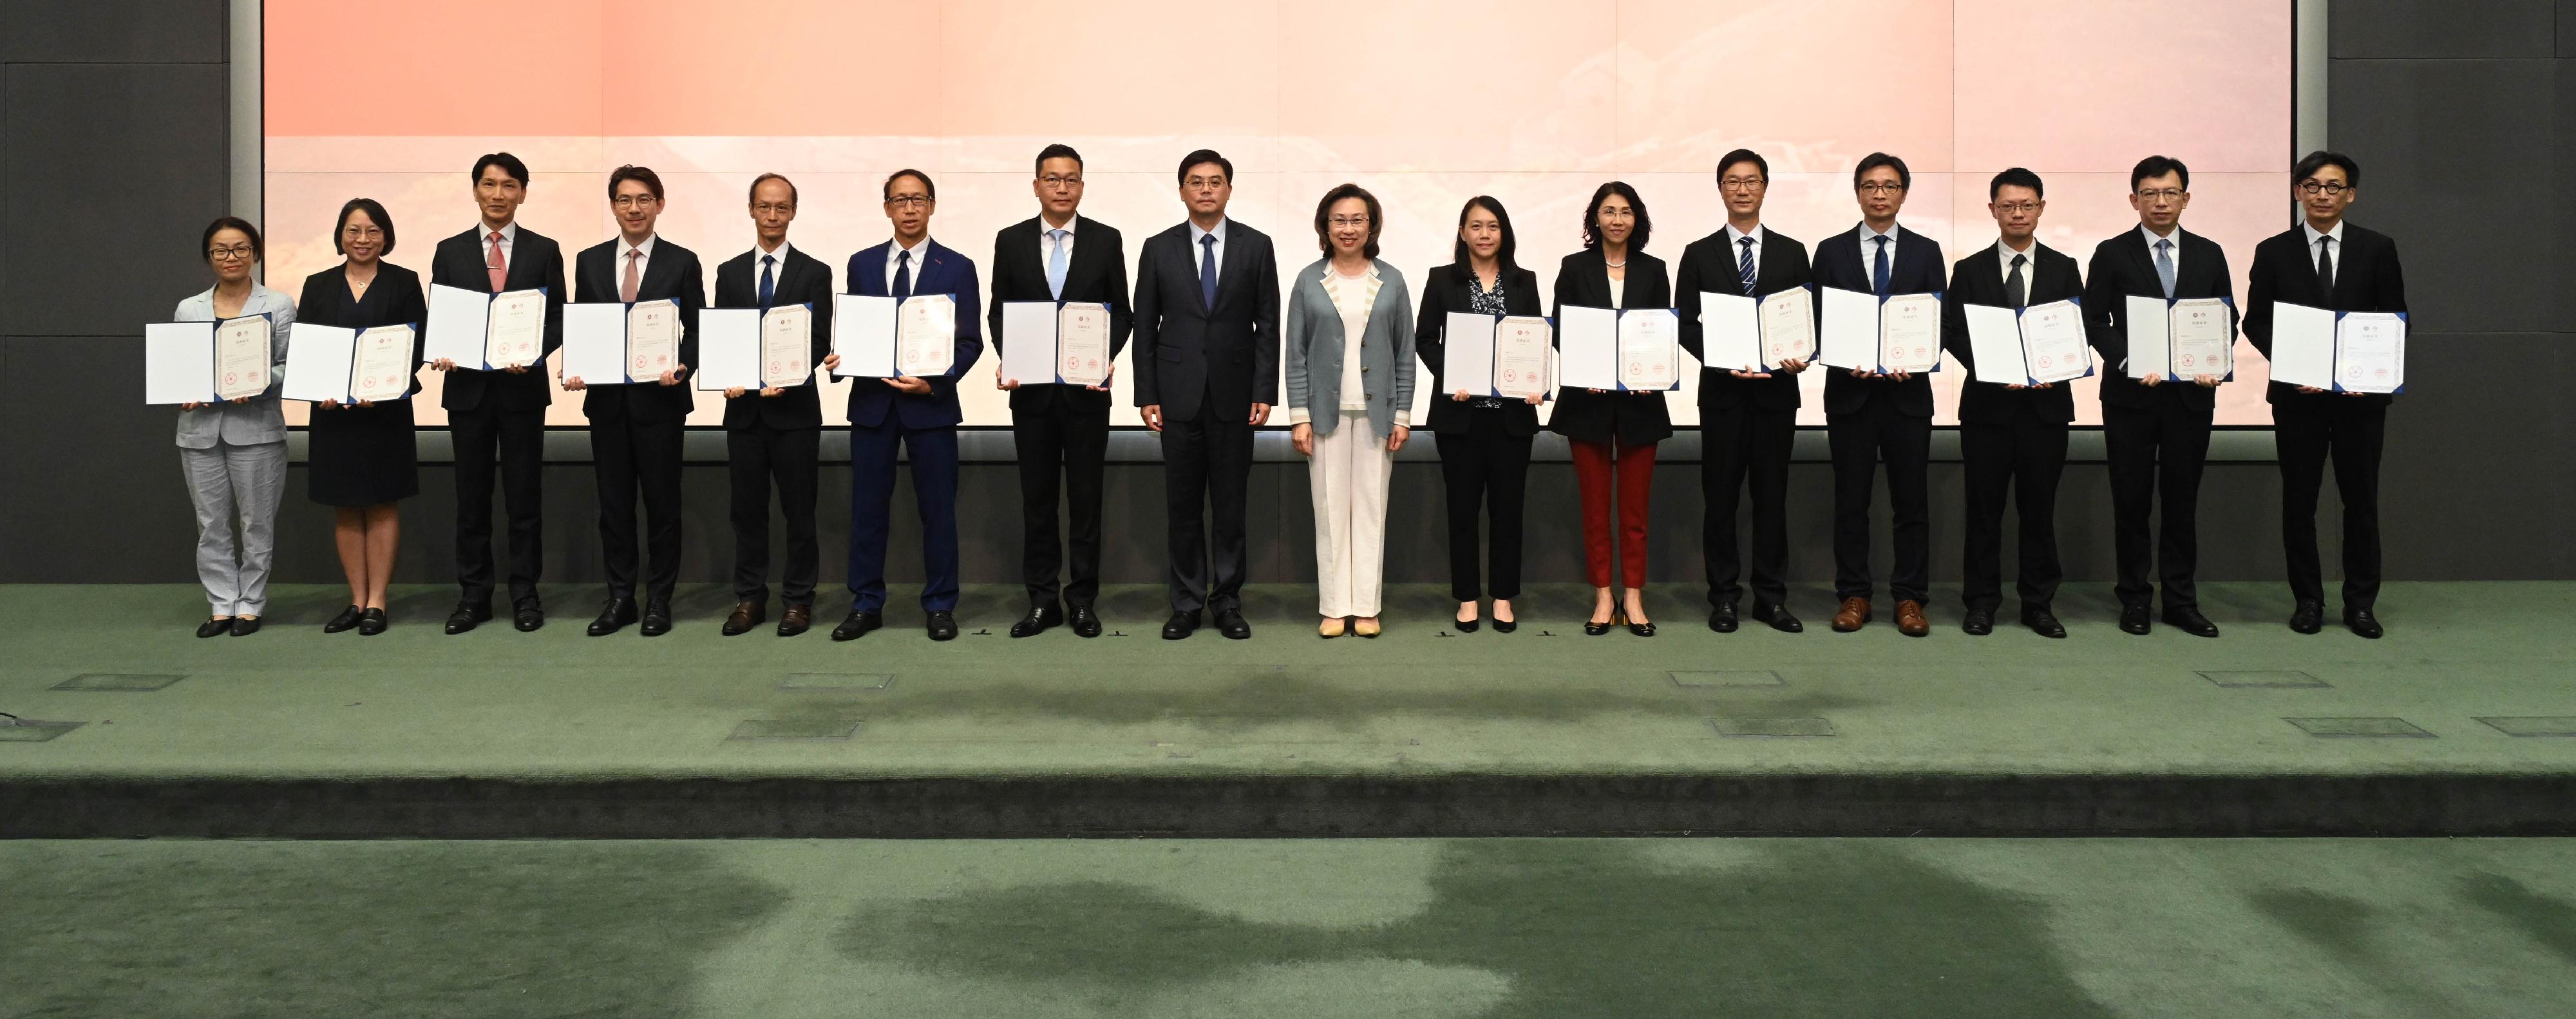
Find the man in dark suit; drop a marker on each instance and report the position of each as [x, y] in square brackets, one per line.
[1870, 415]
[2011, 435]
[775, 434]
[1747, 419]
[917, 415]
[2327, 263]
[1060, 255]
[635, 430]
[499, 415]
[1207, 371]
[2155, 430]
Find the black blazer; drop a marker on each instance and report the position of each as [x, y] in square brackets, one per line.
[1191, 357]
[1096, 273]
[801, 279]
[1915, 270]
[2124, 267]
[535, 261]
[672, 272]
[395, 298]
[1630, 419]
[1445, 291]
[1979, 279]
[2285, 269]
[1709, 265]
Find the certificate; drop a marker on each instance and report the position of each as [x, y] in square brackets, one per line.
[2370, 352]
[1028, 342]
[2149, 322]
[241, 357]
[2303, 345]
[1909, 333]
[2052, 339]
[1081, 344]
[653, 331]
[179, 362]
[381, 366]
[594, 343]
[515, 330]
[1520, 357]
[2204, 338]
[1730, 330]
[1587, 347]
[1649, 349]
[786, 346]
[863, 336]
[925, 341]
[729, 341]
[1995, 344]
[1467, 345]
[1788, 327]
[318, 359]
[1848, 336]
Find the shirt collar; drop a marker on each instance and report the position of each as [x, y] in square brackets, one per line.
[2005, 252]
[1866, 233]
[1218, 233]
[895, 249]
[509, 234]
[624, 248]
[1735, 237]
[1068, 227]
[2150, 235]
[780, 254]
[2336, 233]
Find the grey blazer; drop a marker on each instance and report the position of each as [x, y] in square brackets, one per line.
[241, 424]
[1313, 340]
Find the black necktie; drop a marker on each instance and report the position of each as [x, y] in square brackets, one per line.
[2325, 267]
[2015, 293]
[902, 275]
[768, 285]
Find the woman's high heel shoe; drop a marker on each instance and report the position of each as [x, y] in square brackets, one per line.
[1640, 629]
[1593, 629]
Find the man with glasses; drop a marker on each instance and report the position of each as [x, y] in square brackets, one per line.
[776, 433]
[2327, 263]
[1059, 255]
[2155, 430]
[1747, 419]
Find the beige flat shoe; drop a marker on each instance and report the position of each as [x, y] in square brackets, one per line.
[1365, 628]
[1330, 628]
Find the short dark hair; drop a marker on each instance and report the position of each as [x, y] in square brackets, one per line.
[2017, 177]
[1324, 213]
[1058, 150]
[756, 182]
[1874, 160]
[374, 211]
[258, 249]
[1502, 252]
[642, 175]
[508, 163]
[2158, 166]
[2312, 162]
[1744, 156]
[1204, 156]
[887, 189]
[1592, 215]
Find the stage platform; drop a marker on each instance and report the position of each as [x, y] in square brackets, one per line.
[2461, 721]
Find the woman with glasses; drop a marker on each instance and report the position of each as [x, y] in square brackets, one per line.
[362, 460]
[1484, 440]
[1613, 434]
[1349, 348]
[234, 451]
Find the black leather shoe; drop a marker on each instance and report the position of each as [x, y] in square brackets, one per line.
[2360, 621]
[528, 616]
[217, 627]
[371, 622]
[244, 626]
[857, 625]
[2043, 622]
[2309, 617]
[467, 615]
[1646, 629]
[1978, 622]
[657, 618]
[613, 617]
[2137, 620]
[1466, 625]
[942, 625]
[1778, 618]
[1506, 625]
[1181, 625]
[1722, 618]
[1230, 622]
[1039, 620]
[1086, 623]
[2188, 620]
[346, 620]
[1593, 629]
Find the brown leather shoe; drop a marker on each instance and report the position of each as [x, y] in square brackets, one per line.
[1909, 619]
[1852, 616]
[745, 616]
[795, 620]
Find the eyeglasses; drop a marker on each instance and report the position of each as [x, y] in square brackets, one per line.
[2328, 188]
[1875, 188]
[633, 201]
[228, 254]
[908, 202]
[1204, 182]
[1054, 181]
[1741, 184]
[1341, 221]
[2160, 194]
[771, 208]
[2011, 208]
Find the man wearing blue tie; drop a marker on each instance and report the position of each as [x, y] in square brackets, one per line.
[775, 433]
[917, 415]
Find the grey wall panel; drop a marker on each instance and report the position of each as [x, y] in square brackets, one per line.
[114, 166]
[113, 31]
[94, 493]
[2475, 484]
[2567, 28]
[2442, 28]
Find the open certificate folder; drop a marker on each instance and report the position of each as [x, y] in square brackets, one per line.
[621, 344]
[1899, 334]
[1599, 348]
[329, 364]
[885, 337]
[729, 343]
[2350, 352]
[201, 362]
[1055, 342]
[1739, 333]
[485, 331]
[2039, 344]
[1494, 355]
[2181, 339]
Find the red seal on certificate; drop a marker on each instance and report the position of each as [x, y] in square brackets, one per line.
[1637, 369]
[2189, 361]
[1511, 375]
[2045, 362]
[1074, 363]
[228, 378]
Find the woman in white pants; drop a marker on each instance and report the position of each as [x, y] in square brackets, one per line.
[234, 451]
[1349, 347]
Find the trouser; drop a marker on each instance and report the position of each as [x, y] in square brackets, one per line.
[1207, 468]
[1859, 441]
[2351, 430]
[1745, 449]
[515, 440]
[235, 485]
[1348, 475]
[934, 490]
[755, 457]
[2156, 457]
[631, 456]
[2028, 456]
[1486, 468]
[1061, 447]
[1599, 468]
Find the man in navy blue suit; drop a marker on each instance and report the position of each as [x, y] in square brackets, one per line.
[919, 415]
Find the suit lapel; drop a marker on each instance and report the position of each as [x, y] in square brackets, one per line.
[1085, 258]
[1226, 266]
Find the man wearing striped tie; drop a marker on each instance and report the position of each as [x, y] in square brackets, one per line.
[1747, 420]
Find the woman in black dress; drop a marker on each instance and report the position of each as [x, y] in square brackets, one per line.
[362, 460]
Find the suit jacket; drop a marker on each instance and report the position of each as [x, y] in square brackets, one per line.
[1445, 291]
[263, 419]
[801, 279]
[1191, 357]
[1632, 419]
[2285, 269]
[671, 273]
[2124, 267]
[535, 261]
[1095, 273]
[942, 271]
[1979, 279]
[395, 298]
[1916, 269]
[1709, 265]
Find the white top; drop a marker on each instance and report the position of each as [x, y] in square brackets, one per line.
[894, 259]
[1735, 250]
[777, 270]
[2174, 253]
[1618, 291]
[2333, 244]
[1869, 252]
[1198, 252]
[1354, 297]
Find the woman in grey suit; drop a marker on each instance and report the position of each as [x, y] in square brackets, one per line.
[234, 452]
[1349, 346]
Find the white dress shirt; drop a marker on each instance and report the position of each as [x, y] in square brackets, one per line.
[1046, 244]
[1735, 252]
[2029, 267]
[894, 259]
[2174, 252]
[1869, 254]
[2334, 246]
[509, 242]
[1199, 251]
[617, 273]
[777, 270]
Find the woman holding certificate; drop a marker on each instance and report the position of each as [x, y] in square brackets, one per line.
[234, 449]
[1483, 434]
[1613, 433]
[1349, 346]
[361, 461]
